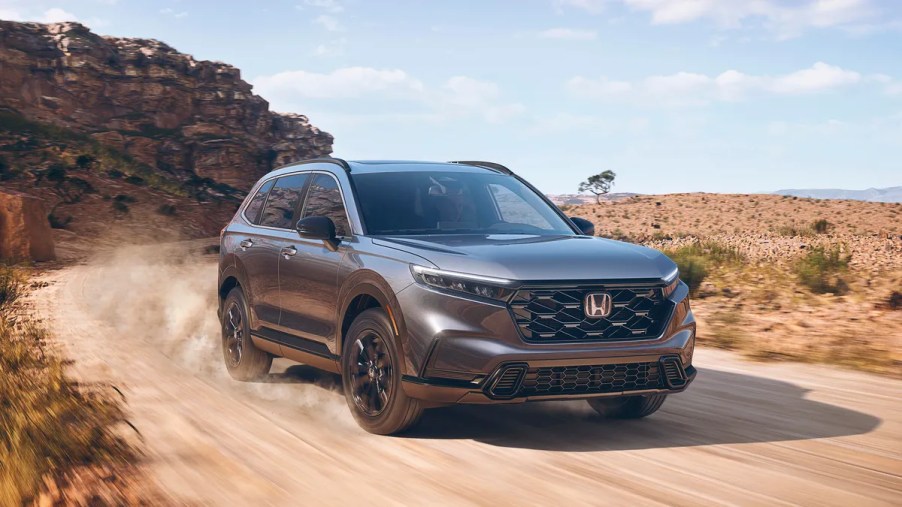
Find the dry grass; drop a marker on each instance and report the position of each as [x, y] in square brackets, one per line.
[54, 432]
[779, 277]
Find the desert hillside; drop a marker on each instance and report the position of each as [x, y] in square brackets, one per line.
[779, 276]
[131, 135]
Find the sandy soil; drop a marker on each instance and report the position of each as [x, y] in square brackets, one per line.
[744, 433]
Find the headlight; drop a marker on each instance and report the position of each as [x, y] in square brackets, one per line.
[482, 286]
[672, 286]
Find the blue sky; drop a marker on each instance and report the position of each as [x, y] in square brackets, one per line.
[672, 95]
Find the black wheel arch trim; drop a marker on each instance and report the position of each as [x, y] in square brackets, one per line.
[370, 283]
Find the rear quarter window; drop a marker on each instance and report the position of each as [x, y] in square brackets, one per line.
[252, 211]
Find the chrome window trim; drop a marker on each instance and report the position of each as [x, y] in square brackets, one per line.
[262, 182]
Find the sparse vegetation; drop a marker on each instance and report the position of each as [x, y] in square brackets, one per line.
[598, 184]
[821, 226]
[821, 268]
[52, 426]
[10, 287]
[167, 210]
[120, 207]
[693, 269]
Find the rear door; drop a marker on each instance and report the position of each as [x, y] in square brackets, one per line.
[308, 271]
[258, 256]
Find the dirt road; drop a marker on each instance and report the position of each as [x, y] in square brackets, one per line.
[744, 433]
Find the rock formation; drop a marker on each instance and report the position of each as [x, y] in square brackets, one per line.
[24, 231]
[187, 118]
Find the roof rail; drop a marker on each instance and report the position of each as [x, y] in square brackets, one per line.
[331, 160]
[488, 165]
[335, 160]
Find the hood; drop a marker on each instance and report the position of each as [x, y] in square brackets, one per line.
[537, 258]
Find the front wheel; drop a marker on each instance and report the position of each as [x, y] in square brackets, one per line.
[371, 376]
[628, 407]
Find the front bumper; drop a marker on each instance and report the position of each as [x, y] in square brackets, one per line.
[456, 349]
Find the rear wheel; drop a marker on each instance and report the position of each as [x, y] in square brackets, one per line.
[371, 376]
[243, 360]
[628, 407]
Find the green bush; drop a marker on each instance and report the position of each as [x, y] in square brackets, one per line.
[693, 268]
[59, 222]
[120, 207]
[125, 198]
[166, 210]
[821, 226]
[10, 287]
[820, 270]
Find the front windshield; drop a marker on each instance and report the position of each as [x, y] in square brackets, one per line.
[435, 202]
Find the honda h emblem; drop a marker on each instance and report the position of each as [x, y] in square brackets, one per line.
[598, 305]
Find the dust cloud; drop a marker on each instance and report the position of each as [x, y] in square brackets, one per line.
[163, 297]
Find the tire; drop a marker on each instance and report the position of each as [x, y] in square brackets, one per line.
[243, 360]
[371, 376]
[628, 407]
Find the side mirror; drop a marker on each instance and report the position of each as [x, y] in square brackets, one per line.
[321, 228]
[587, 227]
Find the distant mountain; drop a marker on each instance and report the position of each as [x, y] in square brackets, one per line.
[889, 194]
[577, 199]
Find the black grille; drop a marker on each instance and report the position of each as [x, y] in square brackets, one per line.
[557, 314]
[606, 378]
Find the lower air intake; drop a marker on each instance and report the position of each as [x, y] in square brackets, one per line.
[673, 372]
[507, 382]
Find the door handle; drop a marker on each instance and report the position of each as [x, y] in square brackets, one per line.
[289, 251]
[245, 244]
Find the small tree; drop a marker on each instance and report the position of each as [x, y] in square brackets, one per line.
[598, 184]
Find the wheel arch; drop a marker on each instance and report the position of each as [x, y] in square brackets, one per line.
[365, 290]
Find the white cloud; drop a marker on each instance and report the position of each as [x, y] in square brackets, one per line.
[327, 5]
[601, 87]
[344, 83]
[568, 34]
[10, 14]
[329, 23]
[786, 19]
[172, 12]
[819, 77]
[57, 15]
[591, 6]
[331, 48]
[686, 88]
[458, 97]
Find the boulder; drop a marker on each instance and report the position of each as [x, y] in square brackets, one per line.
[25, 233]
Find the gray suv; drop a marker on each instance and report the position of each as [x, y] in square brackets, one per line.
[426, 284]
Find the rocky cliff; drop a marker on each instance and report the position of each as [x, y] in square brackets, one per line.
[192, 120]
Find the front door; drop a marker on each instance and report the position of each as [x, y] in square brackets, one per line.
[308, 271]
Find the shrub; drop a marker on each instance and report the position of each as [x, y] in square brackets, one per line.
[85, 161]
[125, 198]
[51, 424]
[10, 287]
[693, 268]
[55, 172]
[820, 270]
[821, 226]
[115, 174]
[120, 207]
[59, 222]
[166, 210]
[135, 180]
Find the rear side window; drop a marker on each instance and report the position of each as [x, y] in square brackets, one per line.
[324, 199]
[282, 201]
[252, 212]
